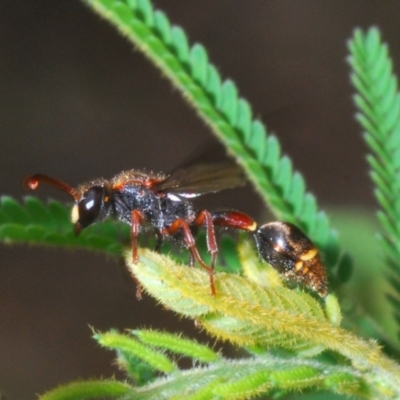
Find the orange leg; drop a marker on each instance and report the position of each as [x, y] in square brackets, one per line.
[205, 218]
[137, 219]
[234, 220]
[181, 224]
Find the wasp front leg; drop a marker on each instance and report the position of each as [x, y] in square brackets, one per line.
[137, 220]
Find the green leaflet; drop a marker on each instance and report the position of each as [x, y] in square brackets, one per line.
[243, 312]
[132, 347]
[176, 344]
[49, 224]
[378, 101]
[88, 390]
[227, 379]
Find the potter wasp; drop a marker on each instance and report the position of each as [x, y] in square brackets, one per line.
[164, 203]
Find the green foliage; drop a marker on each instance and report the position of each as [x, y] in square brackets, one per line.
[50, 224]
[241, 312]
[378, 101]
[185, 347]
[218, 377]
[294, 341]
[88, 390]
[114, 340]
[246, 314]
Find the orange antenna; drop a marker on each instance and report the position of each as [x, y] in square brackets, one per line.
[32, 182]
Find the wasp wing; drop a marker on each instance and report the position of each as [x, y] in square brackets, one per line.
[202, 178]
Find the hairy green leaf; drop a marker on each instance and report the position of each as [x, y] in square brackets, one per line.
[177, 344]
[132, 347]
[221, 377]
[88, 390]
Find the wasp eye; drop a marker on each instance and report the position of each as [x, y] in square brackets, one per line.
[88, 207]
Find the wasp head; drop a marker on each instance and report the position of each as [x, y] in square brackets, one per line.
[89, 208]
[91, 200]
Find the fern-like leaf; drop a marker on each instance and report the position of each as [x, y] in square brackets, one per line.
[94, 389]
[37, 223]
[229, 116]
[219, 377]
[230, 380]
[249, 315]
[133, 347]
[178, 345]
[378, 101]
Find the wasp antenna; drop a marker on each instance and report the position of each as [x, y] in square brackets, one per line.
[32, 182]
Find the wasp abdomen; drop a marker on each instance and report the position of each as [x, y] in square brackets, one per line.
[286, 248]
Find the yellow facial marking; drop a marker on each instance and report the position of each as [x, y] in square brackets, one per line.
[74, 214]
[309, 255]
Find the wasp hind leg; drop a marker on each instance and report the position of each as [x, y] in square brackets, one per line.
[181, 225]
[205, 218]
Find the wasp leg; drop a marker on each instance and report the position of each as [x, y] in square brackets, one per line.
[234, 220]
[137, 219]
[204, 218]
[229, 219]
[181, 224]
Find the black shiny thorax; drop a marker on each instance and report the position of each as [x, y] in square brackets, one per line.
[132, 191]
[158, 209]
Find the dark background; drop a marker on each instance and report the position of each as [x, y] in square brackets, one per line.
[77, 103]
